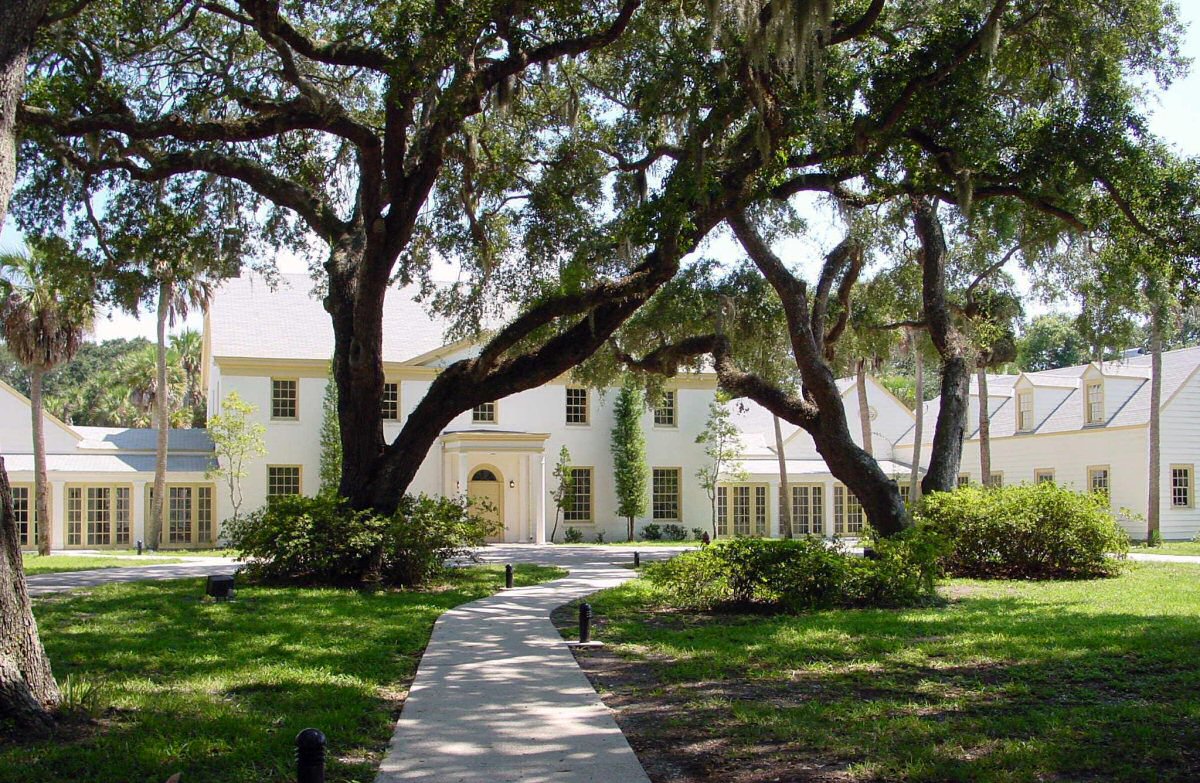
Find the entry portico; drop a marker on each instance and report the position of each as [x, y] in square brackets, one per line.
[507, 468]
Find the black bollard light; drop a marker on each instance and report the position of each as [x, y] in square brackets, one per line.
[508, 576]
[637, 559]
[585, 623]
[310, 756]
[139, 546]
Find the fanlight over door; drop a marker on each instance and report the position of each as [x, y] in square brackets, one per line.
[486, 489]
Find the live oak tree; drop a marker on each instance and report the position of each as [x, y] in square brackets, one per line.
[555, 152]
[971, 120]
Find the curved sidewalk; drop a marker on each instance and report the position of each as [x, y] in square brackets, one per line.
[498, 697]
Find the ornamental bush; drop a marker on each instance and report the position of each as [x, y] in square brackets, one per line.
[573, 535]
[1025, 531]
[652, 532]
[799, 574]
[321, 541]
[674, 532]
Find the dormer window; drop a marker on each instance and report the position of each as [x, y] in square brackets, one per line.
[1025, 411]
[1094, 394]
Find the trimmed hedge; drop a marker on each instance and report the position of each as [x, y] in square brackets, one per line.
[320, 540]
[1025, 531]
[799, 574]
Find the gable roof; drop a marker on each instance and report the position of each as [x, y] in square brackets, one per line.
[249, 319]
[1067, 415]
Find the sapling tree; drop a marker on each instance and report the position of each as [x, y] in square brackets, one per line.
[237, 439]
[722, 445]
[563, 494]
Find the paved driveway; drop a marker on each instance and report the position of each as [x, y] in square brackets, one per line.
[43, 584]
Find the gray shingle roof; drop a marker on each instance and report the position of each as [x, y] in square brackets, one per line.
[131, 439]
[249, 319]
[1067, 416]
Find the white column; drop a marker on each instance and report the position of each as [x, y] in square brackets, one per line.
[137, 513]
[524, 515]
[538, 475]
[461, 489]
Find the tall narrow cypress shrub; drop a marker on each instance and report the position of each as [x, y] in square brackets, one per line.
[331, 438]
[629, 454]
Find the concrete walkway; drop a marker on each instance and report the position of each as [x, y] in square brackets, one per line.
[1152, 558]
[498, 697]
[43, 584]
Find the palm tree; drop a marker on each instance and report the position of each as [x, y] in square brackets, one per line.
[187, 351]
[44, 319]
[180, 288]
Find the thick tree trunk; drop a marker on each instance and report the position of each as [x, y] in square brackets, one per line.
[985, 430]
[914, 476]
[864, 408]
[28, 693]
[785, 495]
[1154, 498]
[945, 456]
[162, 424]
[41, 488]
[18, 21]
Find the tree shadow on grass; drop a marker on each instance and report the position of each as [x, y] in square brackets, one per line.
[987, 689]
[219, 691]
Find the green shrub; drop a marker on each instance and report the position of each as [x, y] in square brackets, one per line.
[573, 535]
[674, 532]
[652, 532]
[1026, 531]
[697, 533]
[799, 574]
[320, 540]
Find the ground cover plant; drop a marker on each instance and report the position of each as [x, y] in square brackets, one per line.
[1010, 681]
[54, 564]
[218, 691]
[1031, 531]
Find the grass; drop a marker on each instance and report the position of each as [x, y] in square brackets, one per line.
[1170, 548]
[55, 564]
[643, 544]
[218, 691]
[1011, 681]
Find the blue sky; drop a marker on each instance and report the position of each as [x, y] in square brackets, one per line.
[1174, 115]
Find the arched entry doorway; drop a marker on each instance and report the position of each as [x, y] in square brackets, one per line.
[485, 487]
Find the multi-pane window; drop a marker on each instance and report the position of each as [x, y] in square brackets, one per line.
[188, 513]
[24, 514]
[664, 493]
[283, 480]
[808, 509]
[98, 516]
[580, 507]
[963, 480]
[847, 511]
[389, 405]
[484, 413]
[577, 405]
[1181, 486]
[665, 410]
[1043, 475]
[996, 479]
[1025, 411]
[1098, 480]
[284, 398]
[1095, 403]
[722, 511]
[742, 509]
[904, 491]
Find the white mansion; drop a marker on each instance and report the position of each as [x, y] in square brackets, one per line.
[273, 348]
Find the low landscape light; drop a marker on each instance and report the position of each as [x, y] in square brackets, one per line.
[219, 586]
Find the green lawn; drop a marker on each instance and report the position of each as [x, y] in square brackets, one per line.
[1170, 548]
[218, 691]
[642, 544]
[1011, 681]
[54, 564]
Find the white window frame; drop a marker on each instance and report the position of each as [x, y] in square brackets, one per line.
[1189, 490]
[675, 498]
[660, 410]
[1096, 415]
[299, 480]
[572, 407]
[477, 413]
[295, 399]
[1025, 412]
